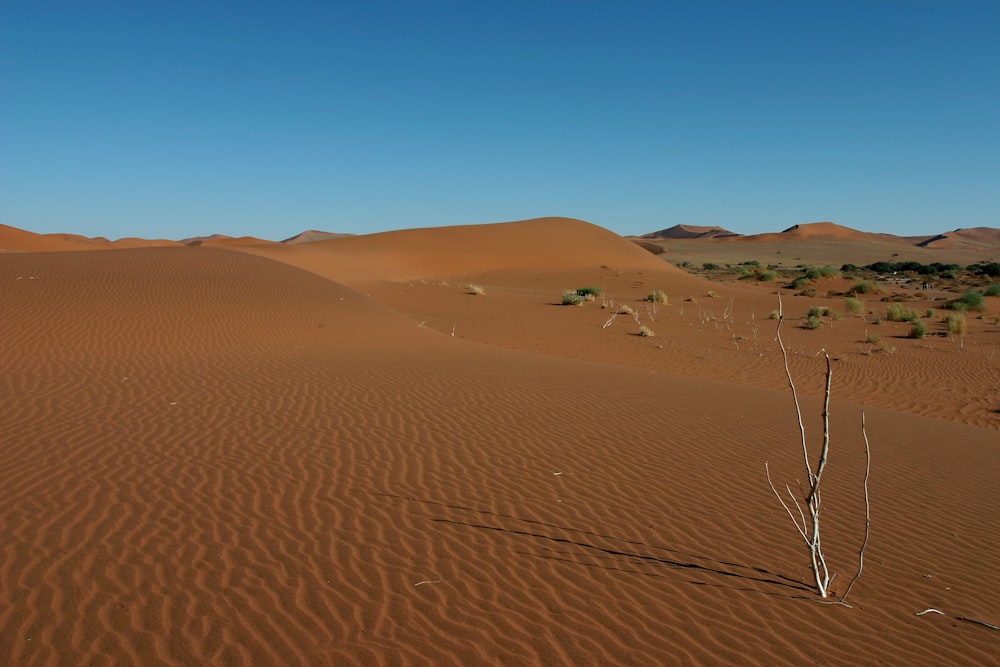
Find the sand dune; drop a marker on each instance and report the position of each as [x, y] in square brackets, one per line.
[689, 232]
[345, 457]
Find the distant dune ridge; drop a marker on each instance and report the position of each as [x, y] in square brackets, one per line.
[332, 452]
[689, 232]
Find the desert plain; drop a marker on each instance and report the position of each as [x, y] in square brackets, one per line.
[402, 449]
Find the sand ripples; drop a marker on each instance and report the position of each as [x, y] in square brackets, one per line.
[208, 476]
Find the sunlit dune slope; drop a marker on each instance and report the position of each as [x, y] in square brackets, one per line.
[543, 244]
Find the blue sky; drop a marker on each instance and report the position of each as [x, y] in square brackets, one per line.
[175, 119]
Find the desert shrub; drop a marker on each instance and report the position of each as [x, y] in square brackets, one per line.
[834, 314]
[625, 309]
[592, 292]
[773, 315]
[991, 269]
[656, 296]
[475, 289]
[813, 322]
[872, 339]
[971, 300]
[710, 266]
[918, 330]
[865, 288]
[799, 282]
[992, 290]
[646, 331]
[956, 324]
[750, 262]
[712, 294]
[818, 311]
[899, 313]
[929, 312]
[877, 320]
[817, 272]
[758, 273]
[854, 306]
[849, 268]
[571, 298]
[683, 265]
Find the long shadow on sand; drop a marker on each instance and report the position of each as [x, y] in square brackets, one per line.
[621, 552]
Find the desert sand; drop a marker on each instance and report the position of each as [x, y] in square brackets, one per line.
[336, 452]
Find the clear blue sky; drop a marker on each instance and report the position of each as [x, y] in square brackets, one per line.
[174, 119]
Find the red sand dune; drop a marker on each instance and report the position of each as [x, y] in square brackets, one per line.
[970, 238]
[210, 457]
[13, 239]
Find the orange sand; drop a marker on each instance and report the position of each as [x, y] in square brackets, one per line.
[332, 453]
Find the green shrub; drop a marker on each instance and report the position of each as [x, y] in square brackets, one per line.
[956, 324]
[773, 315]
[899, 313]
[571, 298]
[873, 339]
[813, 322]
[929, 312]
[971, 300]
[800, 282]
[818, 311]
[918, 330]
[710, 266]
[656, 296]
[854, 307]
[817, 272]
[758, 273]
[866, 288]
[992, 290]
[590, 291]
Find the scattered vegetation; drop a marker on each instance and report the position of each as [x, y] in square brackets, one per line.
[710, 266]
[590, 293]
[992, 290]
[755, 272]
[971, 300]
[991, 269]
[813, 322]
[932, 269]
[571, 298]
[872, 339]
[918, 330]
[854, 307]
